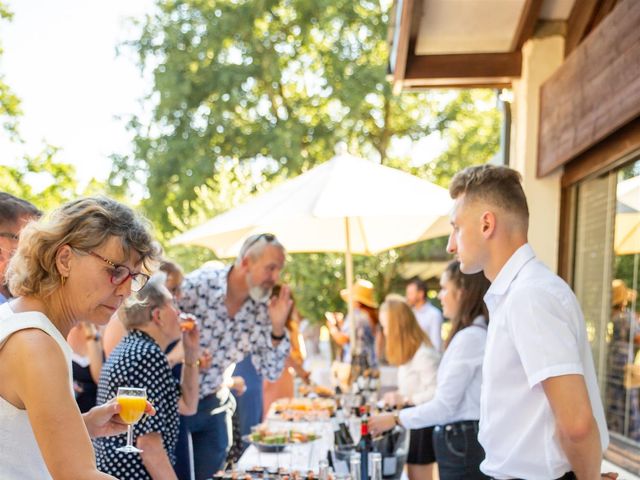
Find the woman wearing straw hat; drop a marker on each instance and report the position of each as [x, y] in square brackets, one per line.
[365, 316]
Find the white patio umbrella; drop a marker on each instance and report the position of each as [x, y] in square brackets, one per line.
[627, 233]
[347, 204]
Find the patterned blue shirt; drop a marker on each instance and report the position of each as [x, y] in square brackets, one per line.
[228, 339]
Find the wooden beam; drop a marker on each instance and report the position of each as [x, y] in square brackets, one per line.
[526, 24]
[595, 92]
[463, 66]
[577, 25]
[425, 83]
[608, 154]
[401, 46]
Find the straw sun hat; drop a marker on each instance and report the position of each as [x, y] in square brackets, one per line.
[620, 294]
[362, 292]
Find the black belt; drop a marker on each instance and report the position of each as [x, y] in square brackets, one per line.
[566, 476]
[458, 427]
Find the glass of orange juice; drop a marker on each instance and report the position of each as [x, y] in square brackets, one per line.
[133, 402]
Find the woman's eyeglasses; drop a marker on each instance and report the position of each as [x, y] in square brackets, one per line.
[121, 274]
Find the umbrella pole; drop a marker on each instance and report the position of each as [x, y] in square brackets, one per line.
[349, 275]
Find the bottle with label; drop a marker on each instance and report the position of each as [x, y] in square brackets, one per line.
[365, 445]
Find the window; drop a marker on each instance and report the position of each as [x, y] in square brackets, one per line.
[605, 280]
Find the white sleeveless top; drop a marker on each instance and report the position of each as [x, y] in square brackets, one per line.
[20, 456]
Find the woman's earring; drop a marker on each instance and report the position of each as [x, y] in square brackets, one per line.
[63, 279]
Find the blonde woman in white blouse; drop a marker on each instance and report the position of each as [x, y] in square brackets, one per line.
[408, 347]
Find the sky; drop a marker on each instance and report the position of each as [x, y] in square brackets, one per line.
[76, 92]
[60, 60]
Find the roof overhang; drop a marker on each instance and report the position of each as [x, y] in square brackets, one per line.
[464, 43]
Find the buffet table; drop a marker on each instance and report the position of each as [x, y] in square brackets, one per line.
[300, 457]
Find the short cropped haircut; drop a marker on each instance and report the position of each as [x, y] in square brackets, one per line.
[420, 285]
[139, 307]
[12, 209]
[497, 185]
[83, 224]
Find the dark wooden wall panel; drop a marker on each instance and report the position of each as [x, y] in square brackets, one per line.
[595, 92]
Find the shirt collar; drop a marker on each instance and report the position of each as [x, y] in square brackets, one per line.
[510, 270]
[480, 321]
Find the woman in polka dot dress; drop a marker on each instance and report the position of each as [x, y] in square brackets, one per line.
[139, 361]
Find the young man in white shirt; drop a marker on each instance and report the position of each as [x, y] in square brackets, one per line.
[541, 416]
[429, 317]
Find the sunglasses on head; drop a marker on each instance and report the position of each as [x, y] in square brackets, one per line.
[269, 237]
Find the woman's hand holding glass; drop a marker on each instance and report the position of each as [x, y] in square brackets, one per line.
[105, 421]
[133, 403]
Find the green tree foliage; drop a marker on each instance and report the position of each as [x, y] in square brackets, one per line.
[279, 82]
[40, 180]
[248, 93]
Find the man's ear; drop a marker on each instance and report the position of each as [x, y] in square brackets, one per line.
[245, 262]
[488, 223]
[64, 256]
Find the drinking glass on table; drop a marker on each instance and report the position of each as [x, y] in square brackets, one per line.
[133, 402]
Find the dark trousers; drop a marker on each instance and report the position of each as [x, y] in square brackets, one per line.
[183, 455]
[458, 451]
[210, 430]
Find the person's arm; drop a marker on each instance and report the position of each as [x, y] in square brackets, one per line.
[268, 355]
[464, 358]
[94, 350]
[40, 380]
[113, 333]
[176, 355]
[576, 427]
[190, 381]
[279, 309]
[154, 457]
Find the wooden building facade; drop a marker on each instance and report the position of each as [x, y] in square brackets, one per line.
[573, 67]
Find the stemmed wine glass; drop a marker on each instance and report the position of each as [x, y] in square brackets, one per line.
[133, 402]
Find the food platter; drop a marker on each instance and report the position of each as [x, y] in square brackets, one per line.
[302, 409]
[274, 441]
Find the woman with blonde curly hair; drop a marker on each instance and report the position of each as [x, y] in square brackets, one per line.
[77, 264]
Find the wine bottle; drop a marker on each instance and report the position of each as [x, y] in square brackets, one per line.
[365, 446]
[341, 434]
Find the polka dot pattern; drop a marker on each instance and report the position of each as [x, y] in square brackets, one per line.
[138, 361]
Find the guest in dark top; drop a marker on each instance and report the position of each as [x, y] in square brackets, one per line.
[86, 363]
[139, 361]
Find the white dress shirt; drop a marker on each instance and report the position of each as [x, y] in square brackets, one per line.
[536, 332]
[417, 377]
[430, 320]
[457, 395]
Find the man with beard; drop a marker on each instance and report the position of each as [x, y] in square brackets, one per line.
[236, 318]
